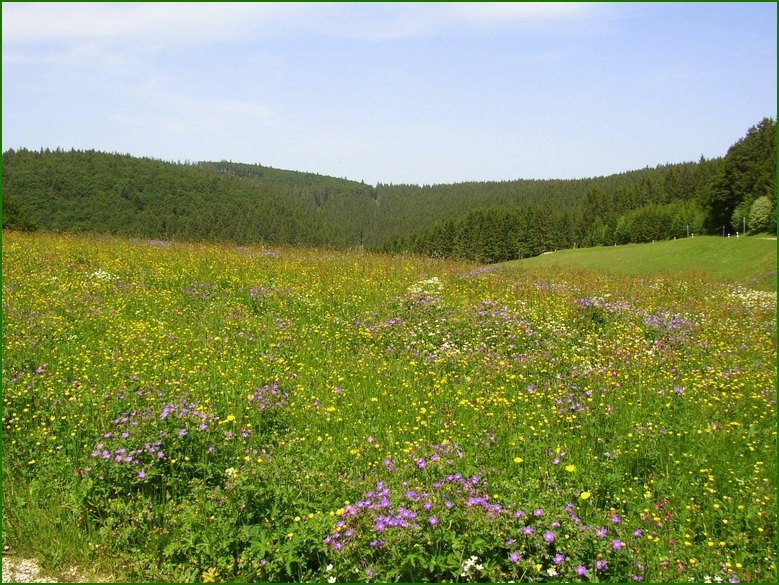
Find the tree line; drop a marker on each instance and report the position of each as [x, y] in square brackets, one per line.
[90, 191]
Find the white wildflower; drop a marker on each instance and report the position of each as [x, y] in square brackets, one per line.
[430, 287]
[470, 563]
[753, 299]
[104, 276]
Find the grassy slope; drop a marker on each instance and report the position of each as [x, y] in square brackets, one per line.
[750, 260]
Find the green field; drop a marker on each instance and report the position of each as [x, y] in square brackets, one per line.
[746, 260]
[208, 413]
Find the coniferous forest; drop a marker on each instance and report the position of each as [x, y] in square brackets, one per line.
[96, 192]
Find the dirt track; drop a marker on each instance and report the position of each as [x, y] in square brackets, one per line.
[17, 570]
[22, 571]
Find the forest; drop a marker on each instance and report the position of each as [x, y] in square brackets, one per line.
[111, 193]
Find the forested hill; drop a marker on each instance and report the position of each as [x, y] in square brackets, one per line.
[141, 197]
[89, 191]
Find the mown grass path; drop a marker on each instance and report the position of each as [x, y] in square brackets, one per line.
[750, 261]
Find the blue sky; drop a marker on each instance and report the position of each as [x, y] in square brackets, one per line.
[393, 93]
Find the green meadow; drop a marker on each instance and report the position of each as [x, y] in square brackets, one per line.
[750, 261]
[213, 413]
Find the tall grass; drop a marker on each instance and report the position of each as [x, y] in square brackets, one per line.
[206, 412]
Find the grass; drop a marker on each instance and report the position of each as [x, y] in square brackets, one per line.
[212, 413]
[746, 260]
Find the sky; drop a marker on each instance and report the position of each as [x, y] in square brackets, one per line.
[419, 93]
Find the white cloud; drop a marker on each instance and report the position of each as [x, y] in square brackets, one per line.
[164, 24]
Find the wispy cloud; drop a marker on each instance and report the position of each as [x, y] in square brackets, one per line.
[163, 24]
[159, 23]
[186, 113]
[534, 12]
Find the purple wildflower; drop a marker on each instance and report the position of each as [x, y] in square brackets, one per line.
[581, 570]
[432, 520]
[549, 536]
[617, 544]
[514, 557]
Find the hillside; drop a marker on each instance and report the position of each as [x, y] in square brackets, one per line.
[92, 191]
[96, 192]
[89, 191]
[749, 261]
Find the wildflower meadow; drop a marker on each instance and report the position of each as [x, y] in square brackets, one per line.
[206, 412]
